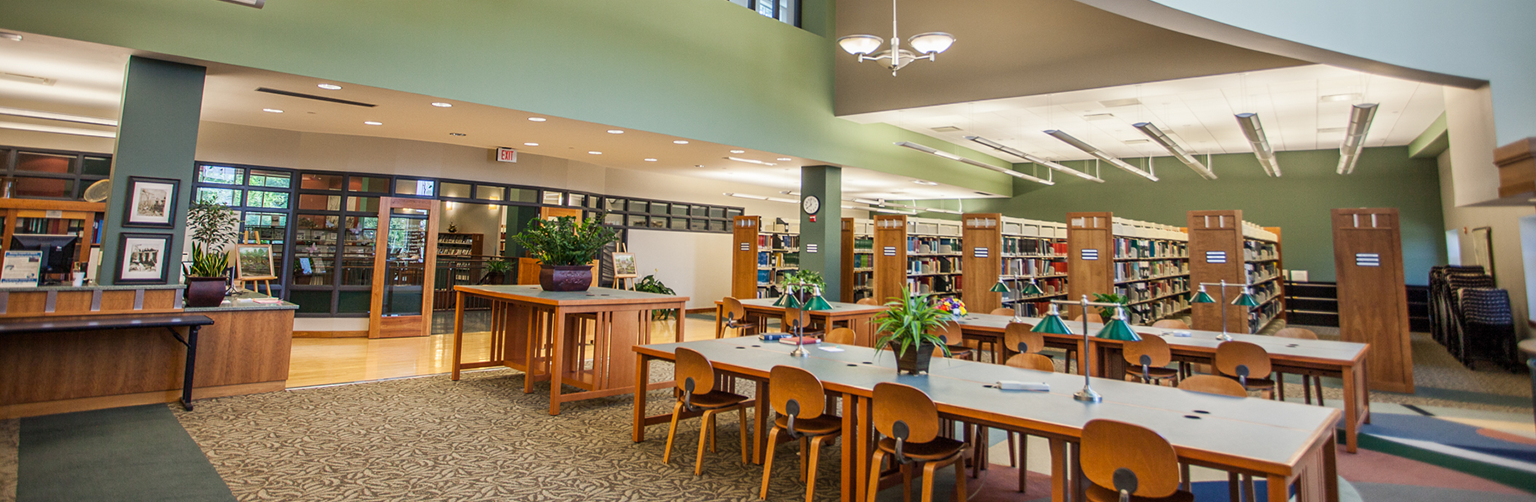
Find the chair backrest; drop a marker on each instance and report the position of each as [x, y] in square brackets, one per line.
[1298, 333]
[1037, 362]
[841, 336]
[903, 411]
[1242, 359]
[734, 309]
[695, 374]
[793, 318]
[866, 301]
[1151, 351]
[794, 391]
[1003, 311]
[1170, 324]
[1212, 384]
[1017, 338]
[1093, 317]
[950, 331]
[1128, 457]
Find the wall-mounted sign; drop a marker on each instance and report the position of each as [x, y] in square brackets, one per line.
[746, 246]
[810, 248]
[890, 250]
[504, 154]
[1090, 254]
[1216, 257]
[1367, 260]
[979, 252]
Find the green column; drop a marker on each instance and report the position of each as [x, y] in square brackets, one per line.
[821, 234]
[156, 138]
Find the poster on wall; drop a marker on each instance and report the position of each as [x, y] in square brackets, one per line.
[624, 266]
[151, 202]
[143, 259]
[22, 269]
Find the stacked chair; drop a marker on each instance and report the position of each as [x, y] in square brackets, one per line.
[1471, 317]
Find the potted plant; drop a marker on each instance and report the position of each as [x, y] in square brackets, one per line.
[496, 272]
[211, 227]
[1108, 313]
[907, 328]
[803, 284]
[565, 248]
[649, 284]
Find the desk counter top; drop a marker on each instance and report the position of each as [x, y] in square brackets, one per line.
[120, 287]
[245, 300]
[536, 294]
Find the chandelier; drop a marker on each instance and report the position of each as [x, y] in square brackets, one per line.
[929, 44]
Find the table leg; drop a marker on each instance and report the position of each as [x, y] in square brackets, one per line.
[1058, 470]
[1331, 470]
[682, 310]
[1078, 480]
[191, 369]
[850, 431]
[458, 333]
[720, 327]
[760, 422]
[557, 359]
[1351, 405]
[642, 381]
[1280, 490]
[862, 447]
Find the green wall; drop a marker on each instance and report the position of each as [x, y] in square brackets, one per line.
[1298, 202]
[701, 69]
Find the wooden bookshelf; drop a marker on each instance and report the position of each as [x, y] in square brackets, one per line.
[1373, 301]
[454, 245]
[744, 256]
[1151, 268]
[1090, 266]
[981, 260]
[1223, 247]
[1032, 249]
[858, 259]
[778, 255]
[934, 251]
[890, 259]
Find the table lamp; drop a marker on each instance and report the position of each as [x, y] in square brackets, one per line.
[1246, 299]
[1118, 328]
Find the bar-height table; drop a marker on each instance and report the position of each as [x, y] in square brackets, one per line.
[1345, 360]
[841, 315]
[1285, 443]
[530, 332]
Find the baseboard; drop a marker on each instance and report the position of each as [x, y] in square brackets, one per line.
[21, 410]
[705, 310]
[331, 334]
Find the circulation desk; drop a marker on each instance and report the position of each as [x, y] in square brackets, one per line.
[245, 351]
[1285, 443]
[1345, 360]
[525, 321]
[842, 315]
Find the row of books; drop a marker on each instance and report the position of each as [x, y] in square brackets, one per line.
[866, 244]
[1260, 250]
[1146, 248]
[1149, 290]
[1033, 266]
[863, 260]
[1138, 270]
[935, 284]
[933, 245]
[1048, 287]
[778, 259]
[933, 265]
[1261, 315]
[778, 241]
[1260, 271]
[1033, 246]
[1151, 312]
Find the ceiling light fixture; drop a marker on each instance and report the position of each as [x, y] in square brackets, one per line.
[945, 211]
[1339, 97]
[36, 114]
[750, 161]
[443, 105]
[329, 87]
[892, 211]
[57, 130]
[983, 165]
[1178, 152]
[680, 142]
[785, 159]
[271, 110]
[530, 144]
[1100, 154]
[924, 182]
[615, 131]
[1360, 117]
[537, 119]
[249, 3]
[14, 37]
[1260, 143]
[929, 44]
[747, 196]
[1016, 153]
[650, 160]
[373, 123]
[738, 151]
[594, 152]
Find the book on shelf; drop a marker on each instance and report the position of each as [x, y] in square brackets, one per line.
[1148, 248]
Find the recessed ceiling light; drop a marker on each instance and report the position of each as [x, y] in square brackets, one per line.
[370, 122]
[14, 37]
[1338, 97]
[595, 153]
[443, 105]
[1099, 116]
[738, 151]
[457, 134]
[924, 182]
[330, 87]
[537, 119]
[650, 160]
[530, 144]
[271, 110]
[785, 159]
[680, 142]
[615, 131]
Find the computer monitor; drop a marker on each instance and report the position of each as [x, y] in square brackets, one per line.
[59, 251]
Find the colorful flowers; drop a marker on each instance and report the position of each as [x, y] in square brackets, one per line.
[951, 305]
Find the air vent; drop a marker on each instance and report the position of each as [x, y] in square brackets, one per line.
[946, 129]
[1099, 116]
[984, 194]
[312, 96]
[1116, 103]
[1136, 141]
[1326, 130]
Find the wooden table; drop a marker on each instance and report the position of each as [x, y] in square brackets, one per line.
[541, 333]
[857, 317]
[1285, 443]
[70, 326]
[1345, 360]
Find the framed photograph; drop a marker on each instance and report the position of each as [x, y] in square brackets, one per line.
[624, 266]
[151, 202]
[144, 258]
[253, 262]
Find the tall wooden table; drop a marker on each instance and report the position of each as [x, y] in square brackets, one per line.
[1285, 443]
[857, 317]
[1345, 360]
[544, 333]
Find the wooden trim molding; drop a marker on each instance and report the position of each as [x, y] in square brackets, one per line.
[1517, 167]
[331, 334]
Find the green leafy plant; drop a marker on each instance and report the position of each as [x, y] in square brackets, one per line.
[211, 227]
[1108, 313]
[908, 321]
[566, 241]
[805, 278]
[206, 264]
[649, 284]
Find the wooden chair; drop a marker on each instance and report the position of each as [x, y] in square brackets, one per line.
[695, 378]
[1152, 356]
[1037, 362]
[1003, 311]
[1019, 456]
[1308, 379]
[909, 423]
[801, 403]
[955, 341]
[1212, 384]
[1127, 462]
[793, 318]
[867, 301]
[1185, 369]
[736, 317]
[1019, 332]
[1248, 363]
[841, 336]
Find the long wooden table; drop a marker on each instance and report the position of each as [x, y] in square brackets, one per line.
[857, 317]
[1285, 443]
[542, 334]
[1345, 360]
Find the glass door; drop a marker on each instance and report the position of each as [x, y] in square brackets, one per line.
[405, 261]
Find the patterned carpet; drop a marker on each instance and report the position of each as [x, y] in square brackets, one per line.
[10, 431]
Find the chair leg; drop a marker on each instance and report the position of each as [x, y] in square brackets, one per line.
[1012, 457]
[704, 428]
[810, 477]
[1280, 385]
[1248, 492]
[1023, 462]
[773, 439]
[1318, 381]
[959, 483]
[741, 417]
[928, 469]
[666, 458]
[874, 474]
[803, 451]
[1306, 388]
[1184, 482]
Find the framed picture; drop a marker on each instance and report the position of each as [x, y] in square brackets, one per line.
[151, 202]
[624, 266]
[143, 259]
[253, 262]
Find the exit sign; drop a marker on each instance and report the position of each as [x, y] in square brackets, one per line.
[504, 154]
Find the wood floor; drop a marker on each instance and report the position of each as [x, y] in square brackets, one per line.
[324, 361]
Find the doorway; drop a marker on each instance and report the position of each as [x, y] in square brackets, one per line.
[405, 258]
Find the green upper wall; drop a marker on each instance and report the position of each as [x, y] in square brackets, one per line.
[702, 69]
[1298, 202]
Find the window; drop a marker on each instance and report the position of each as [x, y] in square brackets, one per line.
[49, 174]
[787, 11]
[419, 188]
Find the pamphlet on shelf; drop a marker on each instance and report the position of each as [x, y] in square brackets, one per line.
[22, 269]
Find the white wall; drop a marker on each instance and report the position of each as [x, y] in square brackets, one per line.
[696, 265]
[1509, 248]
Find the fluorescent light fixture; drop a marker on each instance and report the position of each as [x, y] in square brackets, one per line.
[329, 87]
[680, 142]
[57, 130]
[1339, 97]
[1020, 154]
[615, 131]
[738, 151]
[785, 159]
[650, 160]
[892, 211]
[249, 3]
[1178, 152]
[1260, 142]
[1099, 154]
[781, 199]
[36, 114]
[14, 37]
[945, 211]
[595, 152]
[373, 123]
[982, 165]
[440, 104]
[1099, 116]
[530, 144]
[924, 182]
[537, 119]
[747, 196]
[750, 161]
[271, 110]
[870, 202]
[1360, 117]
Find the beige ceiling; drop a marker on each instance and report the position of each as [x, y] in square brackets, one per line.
[1007, 48]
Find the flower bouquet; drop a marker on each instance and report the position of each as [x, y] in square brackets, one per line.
[952, 306]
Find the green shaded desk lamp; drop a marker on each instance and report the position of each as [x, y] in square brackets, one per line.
[1246, 299]
[1053, 324]
[817, 302]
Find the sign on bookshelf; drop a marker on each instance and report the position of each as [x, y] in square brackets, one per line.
[810, 248]
[746, 246]
[979, 252]
[1216, 257]
[890, 250]
[1367, 259]
[1091, 254]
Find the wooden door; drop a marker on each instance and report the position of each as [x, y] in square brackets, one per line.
[405, 265]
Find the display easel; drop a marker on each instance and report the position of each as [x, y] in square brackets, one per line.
[623, 281]
[254, 237]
